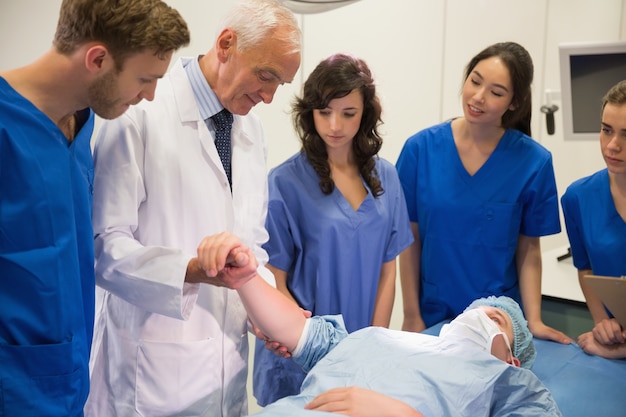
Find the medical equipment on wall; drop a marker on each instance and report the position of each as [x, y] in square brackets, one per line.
[315, 6]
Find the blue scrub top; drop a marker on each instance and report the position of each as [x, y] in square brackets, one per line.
[46, 261]
[333, 254]
[469, 224]
[596, 231]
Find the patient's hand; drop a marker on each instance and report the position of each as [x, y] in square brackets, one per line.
[609, 332]
[222, 261]
[590, 345]
[360, 402]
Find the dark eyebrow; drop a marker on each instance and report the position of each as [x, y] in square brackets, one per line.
[495, 85]
[606, 125]
[152, 76]
[502, 314]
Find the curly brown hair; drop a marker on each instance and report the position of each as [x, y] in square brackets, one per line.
[336, 77]
[125, 27]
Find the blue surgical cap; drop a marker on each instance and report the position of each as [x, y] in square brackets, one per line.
[523, 346]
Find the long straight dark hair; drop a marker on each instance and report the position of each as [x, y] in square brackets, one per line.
[520, 66]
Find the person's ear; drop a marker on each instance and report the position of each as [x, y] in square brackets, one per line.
[226, 43]
[514, 361]
[95, 58]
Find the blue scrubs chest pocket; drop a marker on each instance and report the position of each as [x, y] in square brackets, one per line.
[500, 224]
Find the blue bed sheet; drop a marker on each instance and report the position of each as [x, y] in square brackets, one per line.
[582, 385]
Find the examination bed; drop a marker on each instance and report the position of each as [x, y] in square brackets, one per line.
[582, 385]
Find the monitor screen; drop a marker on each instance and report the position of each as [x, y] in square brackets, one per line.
[588, 70]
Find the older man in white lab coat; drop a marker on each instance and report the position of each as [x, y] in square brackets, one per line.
[166, 343]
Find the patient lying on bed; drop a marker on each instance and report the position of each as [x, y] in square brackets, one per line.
[471, 369]
[453, 374]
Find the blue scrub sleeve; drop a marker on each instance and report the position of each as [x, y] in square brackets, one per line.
[324, 333]
[571, 214]
[541, 211]
[407, 172]
[280, 247]
[400, 236]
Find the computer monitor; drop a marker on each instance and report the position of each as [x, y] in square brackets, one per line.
[588, 70]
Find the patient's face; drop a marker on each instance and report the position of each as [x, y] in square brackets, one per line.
[500, 318]
[483, 329]
[501, 347]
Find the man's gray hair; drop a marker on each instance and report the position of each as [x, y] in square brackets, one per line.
[254, 20]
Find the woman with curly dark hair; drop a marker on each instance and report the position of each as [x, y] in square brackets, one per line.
[337, 218]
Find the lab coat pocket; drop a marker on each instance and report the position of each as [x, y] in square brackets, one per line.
[194, 372]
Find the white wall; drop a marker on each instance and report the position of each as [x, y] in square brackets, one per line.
[417, 50]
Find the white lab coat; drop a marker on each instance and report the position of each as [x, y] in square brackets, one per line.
[163, 347]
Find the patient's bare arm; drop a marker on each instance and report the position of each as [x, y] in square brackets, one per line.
[274, 346]
[361, 402]
[224, 261]
[275, 315]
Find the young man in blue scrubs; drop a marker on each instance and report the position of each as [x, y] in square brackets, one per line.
[100, 62]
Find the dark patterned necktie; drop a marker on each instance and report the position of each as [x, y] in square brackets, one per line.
[223, 122]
